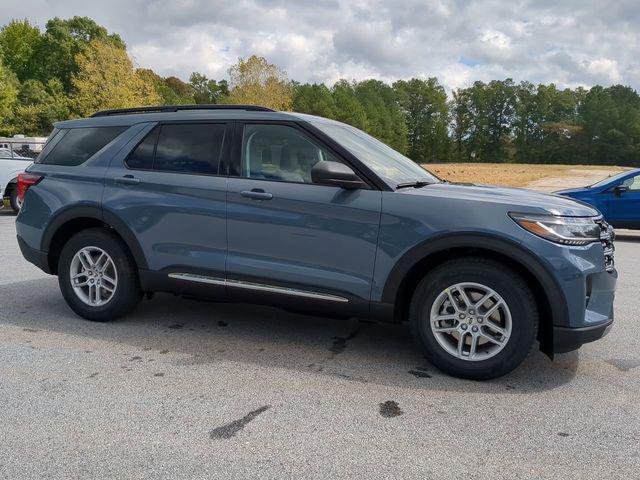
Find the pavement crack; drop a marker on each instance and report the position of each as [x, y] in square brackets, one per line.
[420, 372]
[231, 429]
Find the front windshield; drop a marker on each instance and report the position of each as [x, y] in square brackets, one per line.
[609, 179]
[392, 166]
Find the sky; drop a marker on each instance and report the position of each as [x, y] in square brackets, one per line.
[568, 42]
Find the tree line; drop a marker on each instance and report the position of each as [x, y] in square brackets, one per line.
[76, 67]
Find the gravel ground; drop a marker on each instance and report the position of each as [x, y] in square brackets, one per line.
[187, 389]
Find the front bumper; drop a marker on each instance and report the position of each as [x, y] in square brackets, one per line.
[567, 339]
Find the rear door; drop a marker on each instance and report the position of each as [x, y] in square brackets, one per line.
[169, 193]
[291, 238]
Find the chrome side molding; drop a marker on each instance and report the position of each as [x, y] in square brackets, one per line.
[193, 277]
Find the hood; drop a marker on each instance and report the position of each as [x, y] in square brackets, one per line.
[572, 191]
[515, 199]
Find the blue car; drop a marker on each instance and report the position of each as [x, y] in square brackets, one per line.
[244, 204]
[617, 197]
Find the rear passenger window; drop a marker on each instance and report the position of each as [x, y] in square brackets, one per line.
[142, 156]
[79, 144]
[189, 148]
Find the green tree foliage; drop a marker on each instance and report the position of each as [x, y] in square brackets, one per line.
[76, 67]
[19, 42]
[207, 91]
[171, 90]
[40, 105]
[490, 110]
[348, 107]
[63, 42]
[314, 99]
[424, 103]
[611, 119]
[106, 79]
[385, 119]
[8, 98]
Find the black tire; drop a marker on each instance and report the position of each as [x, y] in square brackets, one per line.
[504, 281]
[127, 294]
[14, 202]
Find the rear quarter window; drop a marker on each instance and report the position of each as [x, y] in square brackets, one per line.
[76, 145]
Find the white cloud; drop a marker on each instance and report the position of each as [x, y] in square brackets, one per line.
[569, 43]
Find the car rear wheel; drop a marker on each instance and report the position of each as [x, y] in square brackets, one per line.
[97, 276]
[474, 318]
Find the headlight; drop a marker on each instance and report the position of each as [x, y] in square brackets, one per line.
[564, 230]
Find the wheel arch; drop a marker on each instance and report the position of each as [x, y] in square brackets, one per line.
[11, 184]
[73, 220]
[423, 258]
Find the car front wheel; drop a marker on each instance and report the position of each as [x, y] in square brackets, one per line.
[474, 318]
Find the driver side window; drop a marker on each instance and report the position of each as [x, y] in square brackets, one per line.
[632, 183]
[280, 152]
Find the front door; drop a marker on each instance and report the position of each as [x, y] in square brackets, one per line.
[291, 238]
[623, 209]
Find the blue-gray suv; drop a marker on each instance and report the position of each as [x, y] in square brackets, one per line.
[245, 204]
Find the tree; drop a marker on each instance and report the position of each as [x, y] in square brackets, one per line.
[106, 79]
[424, 103]
[462, 124]
[8, 98]
[167, 95]
[385, 119]
[63, 42]
[314, 99]
[489, 109]
[348, 107]
[254, 81]
[207, 91]
[182, 90]
[40, 105]
[611, 119]
[19, 42]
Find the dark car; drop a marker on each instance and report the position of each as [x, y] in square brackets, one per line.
[617, 197]
[246, 204]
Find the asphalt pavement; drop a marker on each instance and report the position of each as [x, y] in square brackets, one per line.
[190, 389]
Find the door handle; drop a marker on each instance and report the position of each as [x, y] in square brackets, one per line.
[256, 194]
[127, 180]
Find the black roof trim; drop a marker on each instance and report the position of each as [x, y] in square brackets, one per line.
[177, 108]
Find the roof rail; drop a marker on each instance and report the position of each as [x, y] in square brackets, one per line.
[177, 108]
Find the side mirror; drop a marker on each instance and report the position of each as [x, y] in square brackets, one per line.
[620, 189]
[335, 174]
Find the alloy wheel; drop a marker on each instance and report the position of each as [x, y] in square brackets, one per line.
[93, 276]
[471, 321]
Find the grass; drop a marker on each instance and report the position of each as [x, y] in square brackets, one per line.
[509, 174]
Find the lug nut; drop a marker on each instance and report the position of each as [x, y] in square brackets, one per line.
[463, 326]
[479, 320]
[471, 312]
[474, 329]
[461, 316]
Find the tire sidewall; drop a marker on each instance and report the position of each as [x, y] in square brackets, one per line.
[518, 299]
[127, 277]
[13, 200]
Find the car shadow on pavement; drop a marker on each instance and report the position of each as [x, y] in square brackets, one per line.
[197, 332]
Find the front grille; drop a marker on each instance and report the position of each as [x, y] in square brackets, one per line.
[607, 235]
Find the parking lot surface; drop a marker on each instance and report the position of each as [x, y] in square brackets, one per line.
[189, 389]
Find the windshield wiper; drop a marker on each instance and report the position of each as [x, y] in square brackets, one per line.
[416, 184]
